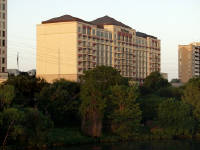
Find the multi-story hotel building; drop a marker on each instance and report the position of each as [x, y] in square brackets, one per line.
[67, 46]
[3, 39]
[189, 61]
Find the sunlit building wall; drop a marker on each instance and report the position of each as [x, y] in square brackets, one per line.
[68, 46]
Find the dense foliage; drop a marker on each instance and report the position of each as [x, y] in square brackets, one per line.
[125, 113]
[95, 89]
[103, 105]
[60, 101]
[176, 118]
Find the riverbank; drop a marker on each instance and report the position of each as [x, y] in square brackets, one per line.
[73, 136]
[61, 137]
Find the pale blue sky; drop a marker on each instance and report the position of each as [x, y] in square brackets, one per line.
[173, 21]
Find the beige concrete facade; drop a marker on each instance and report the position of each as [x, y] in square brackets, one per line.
[3, 36]
[65, 49]
[57, 51]
[189, 61]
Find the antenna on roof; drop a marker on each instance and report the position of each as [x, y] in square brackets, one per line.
[18, 60]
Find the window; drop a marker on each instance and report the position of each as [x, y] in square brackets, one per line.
[118, 37]
[3, 60]
[93, 31]
[84, 30]
[106, 35]
[4, 16]
[84, 43]
[3, 43]
[102, 34]
[4, 25]
[3, 33]
[88, 31]
[110, 36]
[3, 6]
[3, 69]
[98, 33]
[79, 29]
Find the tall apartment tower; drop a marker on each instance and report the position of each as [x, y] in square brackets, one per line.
[67, 46]
[3, 40]
[189, 61]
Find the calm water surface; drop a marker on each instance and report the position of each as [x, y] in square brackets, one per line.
[153, 145]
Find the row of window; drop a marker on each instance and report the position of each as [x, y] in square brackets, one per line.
[95, 32]
[123, 73]
[123, 38]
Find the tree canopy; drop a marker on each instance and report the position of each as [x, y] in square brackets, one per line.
[176, 117]
[154, 82]
[191, 95]
[61, 101]
[125, 113]
[95, 88]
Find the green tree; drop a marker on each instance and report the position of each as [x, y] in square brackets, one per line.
[154, 82]
[10, 126]
[6, 96]
[126, 114]
[191, 95]
[25, 89]
[149, 106]
[95, 88]
[35, 127]
[171, 92]
[176, 117]
[27, 126]
[61, 101]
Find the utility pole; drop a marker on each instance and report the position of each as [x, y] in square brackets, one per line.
[59, 63]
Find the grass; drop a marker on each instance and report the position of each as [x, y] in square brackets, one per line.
[67, 136]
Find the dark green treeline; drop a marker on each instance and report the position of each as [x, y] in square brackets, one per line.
[103, 106]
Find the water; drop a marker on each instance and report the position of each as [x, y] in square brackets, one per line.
[152, 145]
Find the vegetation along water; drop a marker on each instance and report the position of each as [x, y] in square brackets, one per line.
[103, 107]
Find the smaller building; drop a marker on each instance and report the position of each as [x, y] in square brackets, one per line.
[13, 72]
[189, 61]
[176, 83]
[165, 75]
[31, 72]
[16, 72]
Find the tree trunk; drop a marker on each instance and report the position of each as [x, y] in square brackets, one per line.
[92, 124]
[7, 133]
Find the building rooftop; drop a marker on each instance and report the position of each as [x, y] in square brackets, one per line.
[144, 35]
[106, 20]
[99, 22]
[65, 18]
